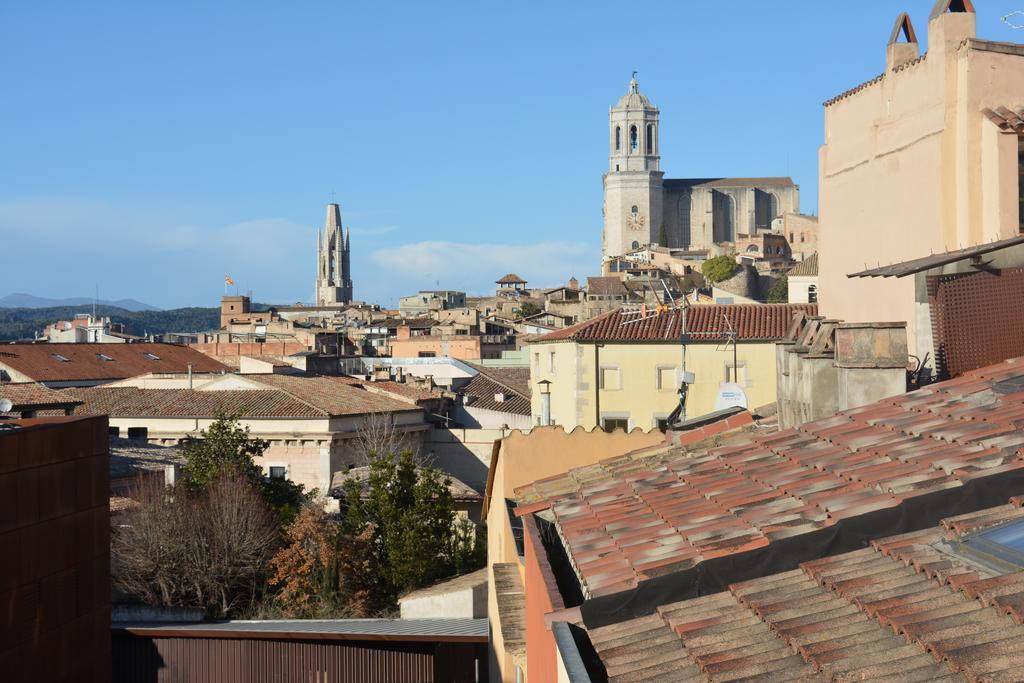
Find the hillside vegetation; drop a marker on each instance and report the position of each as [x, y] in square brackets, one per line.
[24, 323]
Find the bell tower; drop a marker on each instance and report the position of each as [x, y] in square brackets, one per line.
[333, 277]
[633, 183]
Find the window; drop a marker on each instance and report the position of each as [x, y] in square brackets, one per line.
[551, 361]
[636, 245]
[737, 374]
[812, 294]
[61, 358]
[650, 139]
[611, 378]
[666, 378]
[632, 138]
[151, 356]
[610, 423]
[114, 432]
[1000, 547]
[277, 472]
[618, 140]
[104, 357]
[139, 433]
[427, 354]
[634, 211]
[536, 361]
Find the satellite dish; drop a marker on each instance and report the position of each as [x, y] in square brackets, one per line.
[5, 405]
[730, 395]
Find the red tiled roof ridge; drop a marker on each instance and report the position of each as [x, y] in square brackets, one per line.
[290, 385]
[38, 361]
[704, 322]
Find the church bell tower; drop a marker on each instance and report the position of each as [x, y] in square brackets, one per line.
[633, 183]
[333, 274]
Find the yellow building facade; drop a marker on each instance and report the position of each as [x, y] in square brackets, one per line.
[614, 373]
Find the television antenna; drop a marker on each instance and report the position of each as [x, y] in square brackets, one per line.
[676, 307]
[1017, 23]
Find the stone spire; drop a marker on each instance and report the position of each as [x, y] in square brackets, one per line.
[334, 281]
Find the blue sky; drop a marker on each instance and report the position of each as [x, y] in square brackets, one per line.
[152, 148]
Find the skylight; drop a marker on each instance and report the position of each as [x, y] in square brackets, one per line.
[151, 356]
[61, 358]
[103, 356]
[1001, 547]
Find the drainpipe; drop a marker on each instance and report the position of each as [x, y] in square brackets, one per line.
[597, 384]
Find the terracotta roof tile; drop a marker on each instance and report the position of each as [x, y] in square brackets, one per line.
[807, 267]
[712, 322]
[32, 395]
[514, 383]
[87, 362]
[901, 610]
[676, 507]
[134, 402]
[283, 396]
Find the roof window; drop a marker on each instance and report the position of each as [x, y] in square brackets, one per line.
[103, 356]
[61, 358]
[1000, 547]
[151, 356]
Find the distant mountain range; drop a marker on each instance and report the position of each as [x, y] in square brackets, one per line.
[22, 300]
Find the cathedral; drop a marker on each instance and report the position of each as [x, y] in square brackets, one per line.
[642, 207]
[333, 272]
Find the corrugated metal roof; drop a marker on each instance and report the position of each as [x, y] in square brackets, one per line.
[711, 322]
[632, 518]
[902, 609]
[918, 265]
[352, 629]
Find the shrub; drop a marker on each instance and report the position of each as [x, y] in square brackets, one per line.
[719, 268]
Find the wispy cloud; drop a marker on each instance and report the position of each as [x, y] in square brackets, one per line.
[144, 254]
[475, 267]
[60, 247]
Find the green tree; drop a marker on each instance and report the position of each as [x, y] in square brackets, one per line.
[719, 268]
[407, 515]
[225, 448]
[528, 308]
[779, 292]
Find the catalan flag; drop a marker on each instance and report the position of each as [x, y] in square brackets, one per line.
[228, 281]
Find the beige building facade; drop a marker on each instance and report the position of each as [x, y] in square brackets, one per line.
[916, 161]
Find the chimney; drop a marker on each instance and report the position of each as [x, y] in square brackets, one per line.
[499, 397]
[897, 52]
[949, 24]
